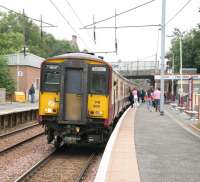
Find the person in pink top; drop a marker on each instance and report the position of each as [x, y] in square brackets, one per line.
[149, 99]
[156, 96]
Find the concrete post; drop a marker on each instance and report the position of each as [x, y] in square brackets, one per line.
[162, 57]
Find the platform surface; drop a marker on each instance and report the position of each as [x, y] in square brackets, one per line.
[123, 163]
[17, 107]
[166, 151]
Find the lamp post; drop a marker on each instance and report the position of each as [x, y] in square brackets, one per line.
[162, 57]
[180, 34]
[172, 78]
[181, 63]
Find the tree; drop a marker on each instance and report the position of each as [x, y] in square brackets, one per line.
[190, 49]
[17, 31]
[5, 79]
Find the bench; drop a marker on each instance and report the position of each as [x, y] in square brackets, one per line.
[192, 114]
[174, 105]
[181, 109]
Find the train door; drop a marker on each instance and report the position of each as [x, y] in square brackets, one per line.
[73, 94]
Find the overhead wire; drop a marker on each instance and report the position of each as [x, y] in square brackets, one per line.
[179, 11]
[27, 16]
[126, 26]
[136, 7]
[68, 22]
[78, 18]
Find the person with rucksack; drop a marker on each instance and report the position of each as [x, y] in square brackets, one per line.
[130, 98]
[31, 92]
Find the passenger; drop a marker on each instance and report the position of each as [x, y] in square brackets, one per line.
[31, 92]
[149, 99]
[135, 97]
[157, 95]
[138, 95]
[130, 98]
[143, 94]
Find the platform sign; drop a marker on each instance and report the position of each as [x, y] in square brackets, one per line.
[190, 84]
[177, 77]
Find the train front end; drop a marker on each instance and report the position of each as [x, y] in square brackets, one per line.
[74, 101]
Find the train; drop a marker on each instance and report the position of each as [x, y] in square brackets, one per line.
[81, 98]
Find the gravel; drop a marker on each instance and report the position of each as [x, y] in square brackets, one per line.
[17, 161]
[20, 136]
[92, 170]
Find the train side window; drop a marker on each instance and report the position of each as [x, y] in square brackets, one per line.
[121, 89]
[117, 89]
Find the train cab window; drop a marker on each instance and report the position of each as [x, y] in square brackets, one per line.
[98, 80]
[51, 78]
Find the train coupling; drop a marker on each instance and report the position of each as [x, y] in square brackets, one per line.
[71, 139]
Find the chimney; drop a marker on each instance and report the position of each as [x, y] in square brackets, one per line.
[74, 39]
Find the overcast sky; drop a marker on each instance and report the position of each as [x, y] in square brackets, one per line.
[133, 43]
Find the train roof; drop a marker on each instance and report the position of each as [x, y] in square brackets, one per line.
[79, 56]
[86, 56]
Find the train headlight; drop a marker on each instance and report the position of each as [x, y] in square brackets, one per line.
[77, 129]
[48, 110]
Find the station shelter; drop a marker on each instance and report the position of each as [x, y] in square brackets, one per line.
[190, 85]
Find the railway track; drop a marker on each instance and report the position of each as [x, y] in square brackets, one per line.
[85, 167]
[28, 173]
[16, 138]
[18, 130]
[60, 166]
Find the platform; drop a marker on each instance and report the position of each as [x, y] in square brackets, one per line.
[14, 107]
[148, 147]
[120, 156]
[15, 114]
[167, 149]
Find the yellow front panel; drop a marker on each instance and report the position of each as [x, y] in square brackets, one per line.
[49, 103]
[98, 106]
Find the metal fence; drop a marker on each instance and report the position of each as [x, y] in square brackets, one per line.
[137, 67]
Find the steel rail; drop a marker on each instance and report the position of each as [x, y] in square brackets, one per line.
[34, 168]
[20, 143]
[18, 130]
[87, 164]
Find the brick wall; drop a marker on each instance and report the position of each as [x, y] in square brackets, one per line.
[28, 76]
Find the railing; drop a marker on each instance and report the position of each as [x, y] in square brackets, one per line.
[137, 67]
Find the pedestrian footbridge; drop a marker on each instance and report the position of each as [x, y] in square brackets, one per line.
[137, 69]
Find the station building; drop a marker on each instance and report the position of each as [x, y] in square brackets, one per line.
[25, 70]
[173, 82]
[190, 83]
